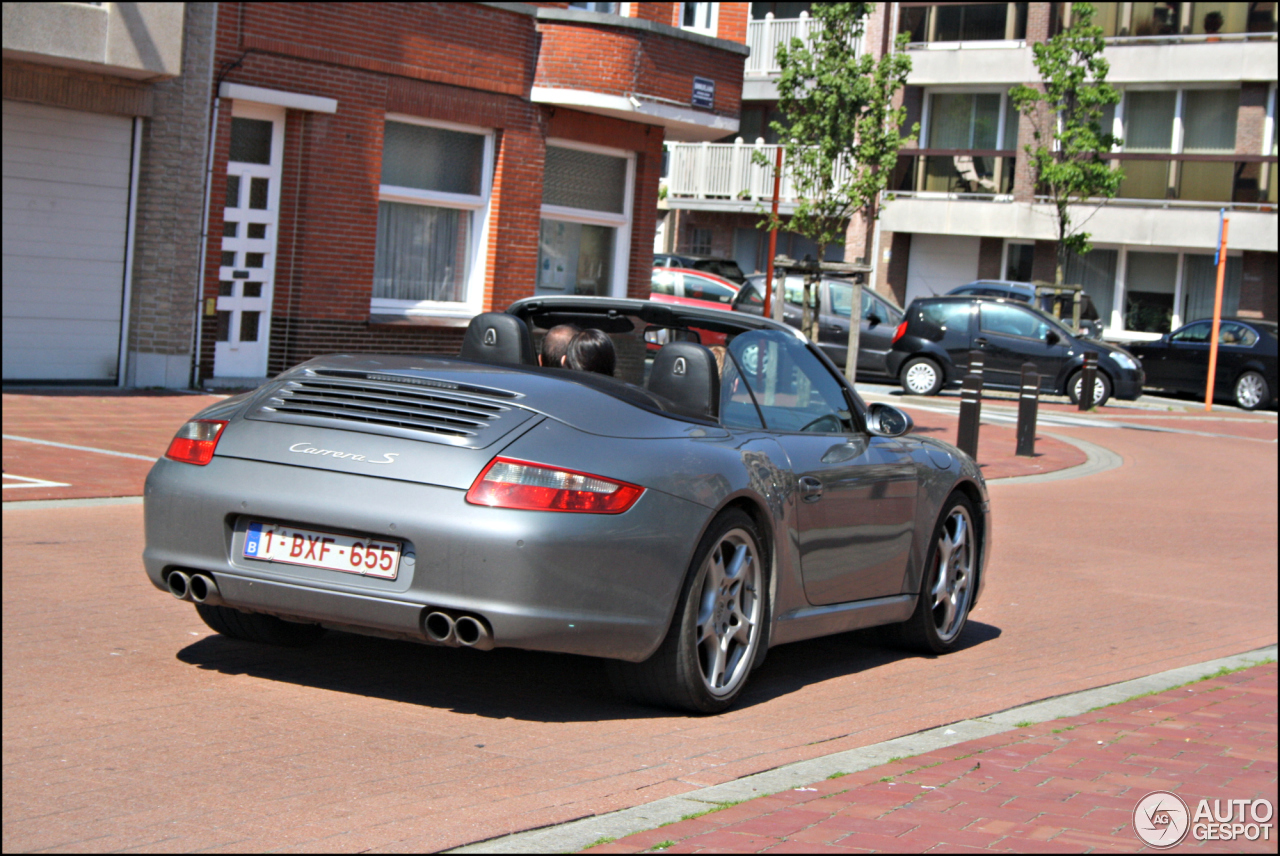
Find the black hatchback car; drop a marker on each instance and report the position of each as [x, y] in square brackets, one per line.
[1246, 369]
[931, 349]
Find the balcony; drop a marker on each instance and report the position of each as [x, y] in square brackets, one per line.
[955, 174]
[763, 37]
[1235, 181]
[723, 177]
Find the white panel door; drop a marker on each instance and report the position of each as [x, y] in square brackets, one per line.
[250, 219]
[66, 211]
[939, 263]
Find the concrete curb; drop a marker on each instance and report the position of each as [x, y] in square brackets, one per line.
[575, 835]
[37, 504]
[1097, 460]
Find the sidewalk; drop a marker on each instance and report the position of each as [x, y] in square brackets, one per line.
[1068, 785]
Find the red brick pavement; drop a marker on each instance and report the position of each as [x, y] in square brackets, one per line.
[1069, 785]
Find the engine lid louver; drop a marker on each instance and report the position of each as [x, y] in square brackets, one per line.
[411, 407]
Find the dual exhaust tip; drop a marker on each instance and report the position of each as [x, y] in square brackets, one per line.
[197, 588]
[465, 630]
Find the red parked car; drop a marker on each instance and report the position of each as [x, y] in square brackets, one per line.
[693, 288]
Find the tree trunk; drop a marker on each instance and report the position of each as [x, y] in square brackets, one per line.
[855, 333]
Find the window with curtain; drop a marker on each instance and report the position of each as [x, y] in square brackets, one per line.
[968, 120]
[584, 212]
[1150, 280]
[1209, 128]
[432, 189]
[1200, 282]
[1096, 271]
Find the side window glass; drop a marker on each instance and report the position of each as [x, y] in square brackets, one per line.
[794, 291]
[1194, 334]
[663, 282]
[842, 298]
[1011, 321]
[795, 392]
[1230, 333]
[706, 289]
[751, 295]
[737, 408]
[949, 315]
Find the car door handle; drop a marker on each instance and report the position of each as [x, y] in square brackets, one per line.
[981, 340]
[810, 489]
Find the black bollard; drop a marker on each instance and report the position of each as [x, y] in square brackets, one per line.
[1088, 376]
[970, 406]
[1028, 404]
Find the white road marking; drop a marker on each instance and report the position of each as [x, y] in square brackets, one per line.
[78, 448]
[30, 482]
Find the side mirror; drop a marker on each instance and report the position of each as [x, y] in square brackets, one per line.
[885, 420]
[1052, 337]
[873, 319]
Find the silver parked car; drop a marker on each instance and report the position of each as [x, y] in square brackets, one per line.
[678, 519]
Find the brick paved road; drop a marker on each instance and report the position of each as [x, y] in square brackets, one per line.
[127, 724]
[1068, 785]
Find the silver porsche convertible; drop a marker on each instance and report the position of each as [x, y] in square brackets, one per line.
[726, 490]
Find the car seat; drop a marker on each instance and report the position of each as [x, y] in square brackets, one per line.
[685, 374]
[499, 338]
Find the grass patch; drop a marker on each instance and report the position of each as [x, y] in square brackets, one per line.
[720, 806]
[887, 779]
[662, 845]
[837, 776]
[1026, 723]
[1221, 673]
[608, 839]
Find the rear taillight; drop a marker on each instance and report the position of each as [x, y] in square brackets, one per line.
[508, 483]
[194, 443]
[897, 334]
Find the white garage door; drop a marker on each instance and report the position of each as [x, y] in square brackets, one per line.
[939, 263]
[66, 208]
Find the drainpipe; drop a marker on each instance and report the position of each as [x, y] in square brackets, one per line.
[204, 220]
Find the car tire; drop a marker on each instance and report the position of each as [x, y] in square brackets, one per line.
[719, 625]
[256, 627]
[1251, 391]
[948, 585]
[1101, 388]
[921, 376]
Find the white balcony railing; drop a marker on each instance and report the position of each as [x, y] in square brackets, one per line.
[763, 37]
[724, 171]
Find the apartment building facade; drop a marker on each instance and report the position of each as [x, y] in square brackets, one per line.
[1197, 117]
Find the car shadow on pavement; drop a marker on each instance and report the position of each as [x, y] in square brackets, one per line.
[526, 685]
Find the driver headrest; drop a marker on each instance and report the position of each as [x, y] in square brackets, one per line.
[685, 373]
[496, 337]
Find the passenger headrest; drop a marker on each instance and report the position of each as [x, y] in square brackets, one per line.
[496, 337]
[685, 373]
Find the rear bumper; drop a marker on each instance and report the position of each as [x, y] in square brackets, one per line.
[598, 585]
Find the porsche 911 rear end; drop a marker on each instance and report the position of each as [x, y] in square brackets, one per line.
[424, 499]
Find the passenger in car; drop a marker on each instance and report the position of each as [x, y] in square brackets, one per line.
[591, 351]
[555, 344]
[718, 351]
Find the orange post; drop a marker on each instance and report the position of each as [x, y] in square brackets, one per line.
[773, 235]
[1217, 319]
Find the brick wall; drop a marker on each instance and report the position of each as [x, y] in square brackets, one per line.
[732, 22]
[989, 252]
[893, 275]
[622, 62]
[1044, 260]
[1251, 118]
[171, 184]
[1258, 287]
[76, 90]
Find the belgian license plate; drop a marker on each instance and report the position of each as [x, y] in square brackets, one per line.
[370, 557]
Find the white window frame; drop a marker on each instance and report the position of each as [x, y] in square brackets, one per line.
[479, 206]
[608, 8]
[585, 216]
[1115, 326]
[1004, 254]
[713, 25]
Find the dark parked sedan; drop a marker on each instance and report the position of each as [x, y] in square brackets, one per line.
[931, 349]
[1246, 372]
[879, 319]
[677, 520]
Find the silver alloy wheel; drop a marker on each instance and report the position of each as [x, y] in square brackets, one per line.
[953, 575]
[1099, 389]
[1249, 390]
[728, 625]
[921, 378]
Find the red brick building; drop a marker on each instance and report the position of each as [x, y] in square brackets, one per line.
[381, 173]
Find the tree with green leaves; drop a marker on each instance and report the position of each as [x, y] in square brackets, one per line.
[841, 133]
[1070, 154]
